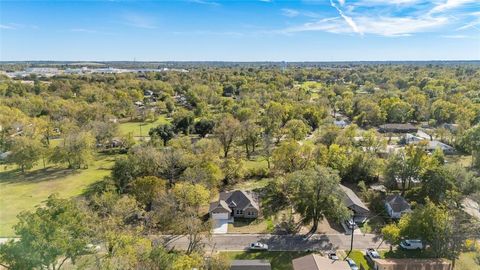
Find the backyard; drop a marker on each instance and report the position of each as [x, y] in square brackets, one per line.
[20, 192]
[280, 260]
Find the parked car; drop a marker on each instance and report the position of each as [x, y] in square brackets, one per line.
[350, 224]
[411, 244]
[333, 256]
[371, 254]
[352, 264]
[258, 246]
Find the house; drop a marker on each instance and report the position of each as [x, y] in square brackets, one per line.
[353, 202]
[398, 128]
[317, 262]
[431, 145]
[340, 123]
[250, 265]
[396, 206]
[412, 264]
[237, 203]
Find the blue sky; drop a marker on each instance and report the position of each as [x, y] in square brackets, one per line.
[256, 30]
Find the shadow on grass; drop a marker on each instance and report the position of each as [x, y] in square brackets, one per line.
[401, 254]
[40, 175]
[281, 260]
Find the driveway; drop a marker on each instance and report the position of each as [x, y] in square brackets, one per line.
[220, 226]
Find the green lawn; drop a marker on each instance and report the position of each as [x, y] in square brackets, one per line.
[144, 127]
[19, 192]
[467, 261]
[359, 258]
[280, 260]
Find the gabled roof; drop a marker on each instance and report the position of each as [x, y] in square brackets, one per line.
[219, 204]
[352, 201]
[397, 203]
[317, 262]
[240, 199]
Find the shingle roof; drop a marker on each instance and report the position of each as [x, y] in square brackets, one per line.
[317, 262]
[240, 199]
[420, 264]
[397, 203]
[352, 201]
[219, 204]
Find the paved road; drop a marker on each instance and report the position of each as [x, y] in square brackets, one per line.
[284, 242]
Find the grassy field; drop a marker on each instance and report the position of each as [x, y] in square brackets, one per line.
[280, 260]
[467, 261]
[135, 127]
[20, 192]
[359, 258]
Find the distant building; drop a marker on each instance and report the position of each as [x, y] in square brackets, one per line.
[250, 265]
[412, 264]
[431, 145]
[398, 128]
[317, 262]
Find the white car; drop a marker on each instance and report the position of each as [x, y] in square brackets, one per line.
[352, 264]
[371, 254]
[258, 246]
[411, 244]
[333, 256]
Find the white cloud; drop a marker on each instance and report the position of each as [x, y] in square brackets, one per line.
[347, 19]
[139, 20]
[204, 2]
[455, 36]
[382, 26]
[4, 26]
[451, 4]
[290, 12]
[83, 30]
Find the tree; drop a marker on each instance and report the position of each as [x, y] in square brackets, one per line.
[204, 126]
[249, 134]
[438, 184]
[404, 167]
[145, 189]
[227, 130]
[77, 150]
[296, 129]
[391, 234]
[164, 131]
[290, 156]
[25, 152]
[315, 193]
[183, 121]
[471, 142]
[190, 195]
[48, 237]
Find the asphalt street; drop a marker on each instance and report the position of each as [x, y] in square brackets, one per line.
[321, 242]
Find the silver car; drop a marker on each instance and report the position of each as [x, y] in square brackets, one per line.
[258, 246]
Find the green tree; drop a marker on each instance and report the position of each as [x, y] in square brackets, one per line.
[391, 234]
[204, 126]
[191, 195]
[296, 129]
[227, 130]
[164, 131]
[77, 150]
[48, 237]
[25, 152]
[290, 156]
[315, 193]
[145, 189]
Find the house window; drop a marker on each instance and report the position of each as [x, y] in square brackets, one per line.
[239, 212]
